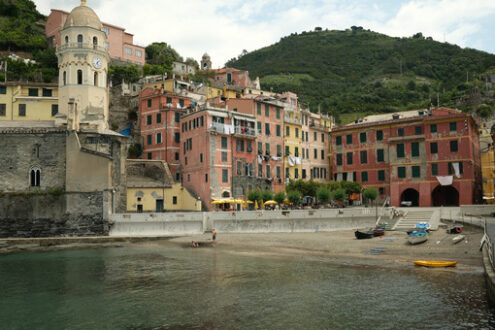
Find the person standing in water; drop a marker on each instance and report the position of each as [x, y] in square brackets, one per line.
[214, 236]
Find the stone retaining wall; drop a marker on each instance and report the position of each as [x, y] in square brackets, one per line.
[52, 214]
[166, 224]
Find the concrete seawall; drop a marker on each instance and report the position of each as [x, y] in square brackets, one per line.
[177, 224]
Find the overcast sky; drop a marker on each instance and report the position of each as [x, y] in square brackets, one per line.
[223, 28]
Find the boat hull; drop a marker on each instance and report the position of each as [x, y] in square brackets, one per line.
[363, 234]
[416, 239]
[435, 263]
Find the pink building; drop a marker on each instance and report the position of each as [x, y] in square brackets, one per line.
[160, 124]
[235, 77]
[218, 155]
[119, 43]
[270, 141]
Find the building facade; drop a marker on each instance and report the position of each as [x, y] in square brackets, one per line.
[160, 124]
[316, 161]
[28, 101]
[293, 135]
[269, 115]
[218, 154]
[119, 43]
[421, 157]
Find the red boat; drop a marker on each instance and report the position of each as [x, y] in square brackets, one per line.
[378, 232]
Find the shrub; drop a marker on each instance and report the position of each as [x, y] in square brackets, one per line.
[323, 195]
[294, 197]
[279, 197]
[339, 195]
[254, 195]
[266, 195]
[370, 194]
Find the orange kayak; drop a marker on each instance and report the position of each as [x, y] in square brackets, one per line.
[433, 263]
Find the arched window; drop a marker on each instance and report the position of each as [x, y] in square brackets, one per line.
[79, 77]
[64, 79]
[95, 42]
[80, 39]
[96, 78]
[66, 39]
[35, 176]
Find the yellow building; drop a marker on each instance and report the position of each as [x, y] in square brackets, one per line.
[294, 154]
[487, 165]
[151, 188]
[28, 101]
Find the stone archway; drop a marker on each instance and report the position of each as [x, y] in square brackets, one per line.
[410, 195]
[445, 196]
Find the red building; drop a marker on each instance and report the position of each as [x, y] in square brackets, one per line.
[269, 115]
[159, 121]
[235, 77]
[425, 157]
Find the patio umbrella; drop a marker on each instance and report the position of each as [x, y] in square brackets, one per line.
[271, 202]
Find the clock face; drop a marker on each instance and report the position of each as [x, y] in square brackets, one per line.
[97, 62]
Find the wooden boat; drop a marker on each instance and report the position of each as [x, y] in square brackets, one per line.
[435, 263]
[417, 237]
[456, 229]
[363, 234]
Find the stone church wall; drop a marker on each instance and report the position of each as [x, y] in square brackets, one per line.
[22, 150]
[53, 214]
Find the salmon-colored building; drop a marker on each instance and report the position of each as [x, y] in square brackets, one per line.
[120, 44]
[270, 140]
[417, 158]
[218, 153]
[235, 77]
[160, 123]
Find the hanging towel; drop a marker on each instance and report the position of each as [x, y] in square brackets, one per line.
[445, 180]
[339, 177]
[260, 159]
[291, 161]
[350, 176]
[298, 160]
[456, 170]
[275, 158]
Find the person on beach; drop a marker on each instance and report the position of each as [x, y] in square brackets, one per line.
[214, 236]
[195, 244]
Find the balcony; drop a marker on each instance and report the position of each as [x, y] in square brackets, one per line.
[243, 131]
[291, 120]
[81, 45]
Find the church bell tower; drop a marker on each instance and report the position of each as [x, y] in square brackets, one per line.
[83, 69]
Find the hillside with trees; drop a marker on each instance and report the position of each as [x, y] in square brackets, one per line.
[357, 70]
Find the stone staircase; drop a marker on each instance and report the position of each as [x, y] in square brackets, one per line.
[412, 217]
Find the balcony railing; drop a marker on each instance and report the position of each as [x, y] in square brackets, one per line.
[81, 45]
[245, 131]
[289, 119]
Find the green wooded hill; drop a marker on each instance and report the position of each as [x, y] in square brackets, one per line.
[22, 31]
[362, 71]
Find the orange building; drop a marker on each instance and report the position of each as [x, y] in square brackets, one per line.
[119, 43]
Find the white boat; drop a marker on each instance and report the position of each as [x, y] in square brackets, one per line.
[417, 237]
[458, 238]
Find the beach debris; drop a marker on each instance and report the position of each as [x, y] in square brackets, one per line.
[458, 238]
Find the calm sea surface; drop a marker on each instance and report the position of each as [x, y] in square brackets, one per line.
[174, 288]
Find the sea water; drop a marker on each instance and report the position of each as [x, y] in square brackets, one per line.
[168, 287]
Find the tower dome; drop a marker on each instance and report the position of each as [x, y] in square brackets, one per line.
[83, 16]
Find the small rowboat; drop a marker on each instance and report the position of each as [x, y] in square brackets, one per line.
[363, 234]
[417, 237]
[433, 263]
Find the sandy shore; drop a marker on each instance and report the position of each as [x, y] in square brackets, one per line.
[339, 247]
[343, 247]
